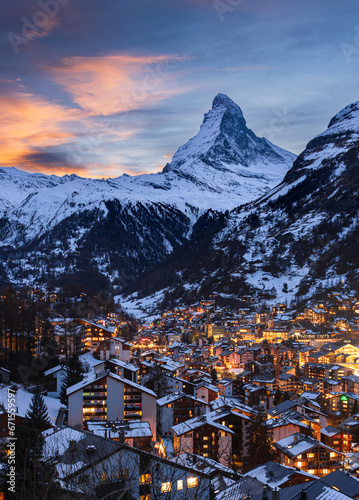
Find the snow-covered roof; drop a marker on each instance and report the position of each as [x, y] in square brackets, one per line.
[274, 474]
[123, 364]
[202, 464]
[23, 399]
[330, 431]
[131, 429]
[298, 443]
[54, 370]
[196, 422]
[174, 396]
[88, 360]
[93, 378]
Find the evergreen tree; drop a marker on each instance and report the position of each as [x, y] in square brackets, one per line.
[35, 478]
[37, 416]
[261, 448]
[214, 376]
[278, 397]
[355, 408]
[74, 374]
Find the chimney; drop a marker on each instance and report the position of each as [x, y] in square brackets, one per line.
[303, 495]
[275, 494]
[265, 493]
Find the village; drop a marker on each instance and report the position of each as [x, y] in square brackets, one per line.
[225, 403]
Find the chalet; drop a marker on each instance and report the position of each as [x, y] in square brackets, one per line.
[203, 436]
[336, 438]
[315, 315]
[178, 407]
[308, 454]
[114, 347]
[89, 465]
[54, 378]
[279, 476]
[343, 482]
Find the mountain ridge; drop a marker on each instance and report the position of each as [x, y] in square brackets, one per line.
[290, 243]
[52, 215]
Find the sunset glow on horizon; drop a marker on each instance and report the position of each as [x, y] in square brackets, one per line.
[117, 89]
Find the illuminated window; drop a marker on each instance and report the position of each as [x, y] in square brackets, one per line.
[310, 455]
[192, 482]
[180, 484]
[332, 454]
[311, 471]
[166, 487]
[145, 478]
[205, 438]
[299, 464]
[104, 476]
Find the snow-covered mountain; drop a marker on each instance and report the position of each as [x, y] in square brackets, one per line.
[125, 224]
[292, 242]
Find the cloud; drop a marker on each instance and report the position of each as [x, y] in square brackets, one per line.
[53, 162]
[110, 84]
[28, 121]
[39, 133]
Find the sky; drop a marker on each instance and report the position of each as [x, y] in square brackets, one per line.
[106, 87]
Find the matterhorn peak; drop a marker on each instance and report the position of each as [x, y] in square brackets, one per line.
[224, 142]
[224, 100]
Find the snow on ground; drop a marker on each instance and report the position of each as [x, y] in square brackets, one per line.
[142, 309]
[23, 399]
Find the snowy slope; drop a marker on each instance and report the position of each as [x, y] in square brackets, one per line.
[223, 166]
[292, 242]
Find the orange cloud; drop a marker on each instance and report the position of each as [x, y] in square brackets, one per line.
[43, 135]
[116, 83]
[28, 122]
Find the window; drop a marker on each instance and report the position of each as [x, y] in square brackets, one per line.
[192, 482]
[166, 487]
[145, 478]
[180, 484]
[104, 476]
[119, 474]
[332, 454]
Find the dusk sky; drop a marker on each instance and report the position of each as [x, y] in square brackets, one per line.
[100, 88]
